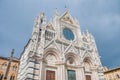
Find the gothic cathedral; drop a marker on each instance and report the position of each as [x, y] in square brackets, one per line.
[58, 50]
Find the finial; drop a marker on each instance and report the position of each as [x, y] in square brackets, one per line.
[66, 5]
[66, 8]
[87, 31]
[56, 12]
[42, 14]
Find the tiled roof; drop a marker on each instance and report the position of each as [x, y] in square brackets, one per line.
[110, 70]
[7, 58]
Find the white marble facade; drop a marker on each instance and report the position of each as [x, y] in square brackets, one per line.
[58, 50]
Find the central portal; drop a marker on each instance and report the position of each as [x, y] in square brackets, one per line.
[50, 75]
[71, 75]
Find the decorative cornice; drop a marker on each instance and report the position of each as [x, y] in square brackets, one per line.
[14, 59]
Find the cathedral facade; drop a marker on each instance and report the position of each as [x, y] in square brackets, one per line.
[58, 50]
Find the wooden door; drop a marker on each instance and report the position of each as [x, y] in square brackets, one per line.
[88, 77]
[50, 75]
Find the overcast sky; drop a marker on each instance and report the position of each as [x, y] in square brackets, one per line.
[100, 17]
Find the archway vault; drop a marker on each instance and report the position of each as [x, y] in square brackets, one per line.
[88, 60]
[73, 56]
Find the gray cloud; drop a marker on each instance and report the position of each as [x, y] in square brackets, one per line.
[100, 17]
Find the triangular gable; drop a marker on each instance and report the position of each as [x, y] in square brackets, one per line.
[87, 55]
[52, 44]
[67, 18]
[72, 49]
[50, 26]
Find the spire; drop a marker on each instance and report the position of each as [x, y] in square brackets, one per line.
[40, 23]
[40, 19]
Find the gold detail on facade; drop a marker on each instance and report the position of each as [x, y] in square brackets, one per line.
[66, 18]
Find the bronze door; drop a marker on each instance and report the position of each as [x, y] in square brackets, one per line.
[88, 77]
[71, 75]
[50, 75]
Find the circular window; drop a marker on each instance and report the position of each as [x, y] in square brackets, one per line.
[68, 34]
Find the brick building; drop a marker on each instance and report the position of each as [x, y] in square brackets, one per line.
[12, 75]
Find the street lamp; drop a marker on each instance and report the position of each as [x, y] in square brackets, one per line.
[9, 64]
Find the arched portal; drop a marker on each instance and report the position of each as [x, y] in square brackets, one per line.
[87, 68]
[50, 68]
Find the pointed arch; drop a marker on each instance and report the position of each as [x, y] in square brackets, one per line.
[87, 63]
[51, 53]
[88, 60]
[4, 65]
[14, 67]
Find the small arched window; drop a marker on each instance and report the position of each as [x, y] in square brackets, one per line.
[4, 65]
[14, 68]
